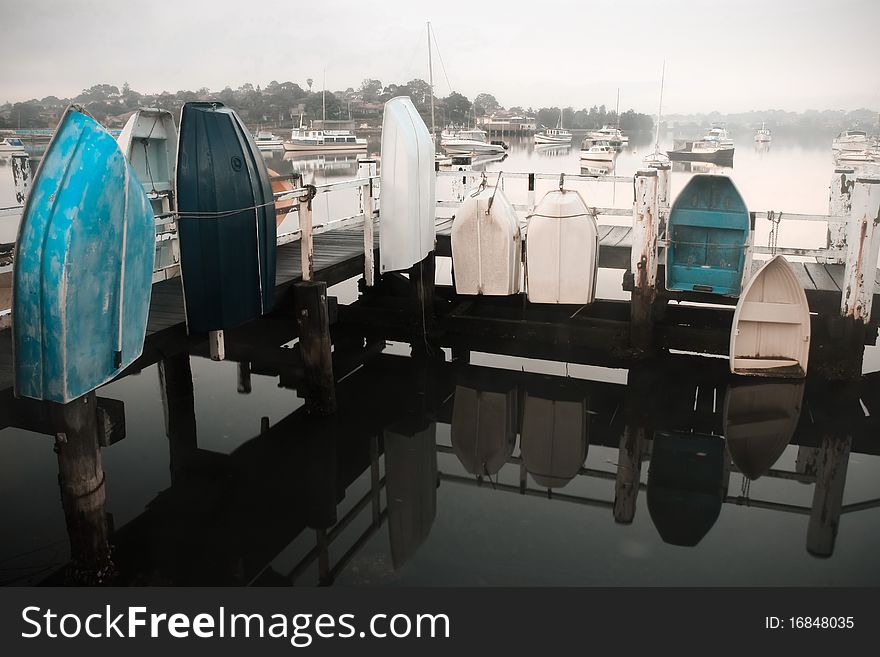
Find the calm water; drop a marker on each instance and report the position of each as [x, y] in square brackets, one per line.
[257, 509]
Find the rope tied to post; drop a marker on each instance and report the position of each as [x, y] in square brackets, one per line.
[773, 237]
[311, 192]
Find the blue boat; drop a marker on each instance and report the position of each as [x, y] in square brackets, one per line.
[226, 222]
[709, 238]
[83, 266]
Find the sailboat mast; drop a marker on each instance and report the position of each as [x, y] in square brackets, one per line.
[324, 102]
[660, 108]
[431, 81]
[617, 109]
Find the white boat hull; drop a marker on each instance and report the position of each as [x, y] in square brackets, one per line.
[597, 157]
[771, 325]
[562, 249]
[549, 139]
[408, 206]
[471, 147]
[486, 245]
[323, 148]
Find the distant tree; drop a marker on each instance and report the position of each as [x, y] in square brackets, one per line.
[309, 82]
[458, 107]
[370, 89]
[485, 104]
[420, 93]
[314, 106]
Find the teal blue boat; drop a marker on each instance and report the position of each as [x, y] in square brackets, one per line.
[709, 238]
[83, 266]
[226, 222]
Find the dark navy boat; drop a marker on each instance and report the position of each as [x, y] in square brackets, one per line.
[226, 220]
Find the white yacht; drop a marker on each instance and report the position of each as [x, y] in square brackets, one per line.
[610, 134]
[600, 151]
[266, 139]
[12, 146]
[471, 141]
[553, 136]
[303, 139]
[717, 133]
[763, 135]
[850, 140]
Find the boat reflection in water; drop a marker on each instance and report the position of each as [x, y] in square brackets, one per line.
[701, 167]
[431, 452]
[553, 150]
[329, 165]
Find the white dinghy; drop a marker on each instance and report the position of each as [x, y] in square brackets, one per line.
[771, 325]
[483, 429]
[407, 210]
[562, 250]
[759, 420]
[149, 142]
[486, 244]
[554, 439]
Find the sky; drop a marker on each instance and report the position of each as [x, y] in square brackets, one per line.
[730, 56]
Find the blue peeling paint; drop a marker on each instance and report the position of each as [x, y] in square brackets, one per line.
[68, 282]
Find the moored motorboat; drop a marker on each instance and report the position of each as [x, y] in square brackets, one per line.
[610, 134]
[597, 151]
[226, 220]
[87, 233]
[266, 140]
[701, 150]
[471, 142]
[850, 140]
[718, 134]
[486, 244]
[317, 141]
[771, 325]
[562, 250]
[11, 146]
[709, 237]
[763, 134]
[555, 136]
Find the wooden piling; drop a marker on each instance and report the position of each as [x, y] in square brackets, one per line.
[862, 244]
[216, 345]
[663, 193]
[638, 412]
[367, 169]
[244, 378]
[531, 193]
[313, 321]
[21, 176]
[83, 493]
[831, 467]
[178, 403]
[839, 205]
[422, 276]
[643, 258]
[307, 247]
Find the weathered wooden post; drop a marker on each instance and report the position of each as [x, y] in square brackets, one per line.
[367, 169]
[531, 192]
[306, 243]
[643, 258]
[857, 286]
[863, 241]
[831, 469]
[83, 495]
[178, 403]
[638, 414]
[21, 176]
[313, 322]
[663, 191]
[244, 378]
[217, 345]
[422, 276]
[839, 205]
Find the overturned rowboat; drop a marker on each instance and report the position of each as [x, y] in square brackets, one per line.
[407, 180]
[83, 269]
[562, 250]
[149, 141]
[226, 220]
[709, 238]
[486, 244]
[771, 325]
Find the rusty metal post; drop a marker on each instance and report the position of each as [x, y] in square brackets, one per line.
[307, 248]
[839, 205]
[643, 259]
[531, 192]
[862, 244]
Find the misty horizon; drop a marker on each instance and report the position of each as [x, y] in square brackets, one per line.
[729, 58]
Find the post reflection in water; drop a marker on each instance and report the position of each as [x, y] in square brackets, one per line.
[302, 502]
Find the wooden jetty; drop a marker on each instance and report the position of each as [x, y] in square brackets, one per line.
[339, 346]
